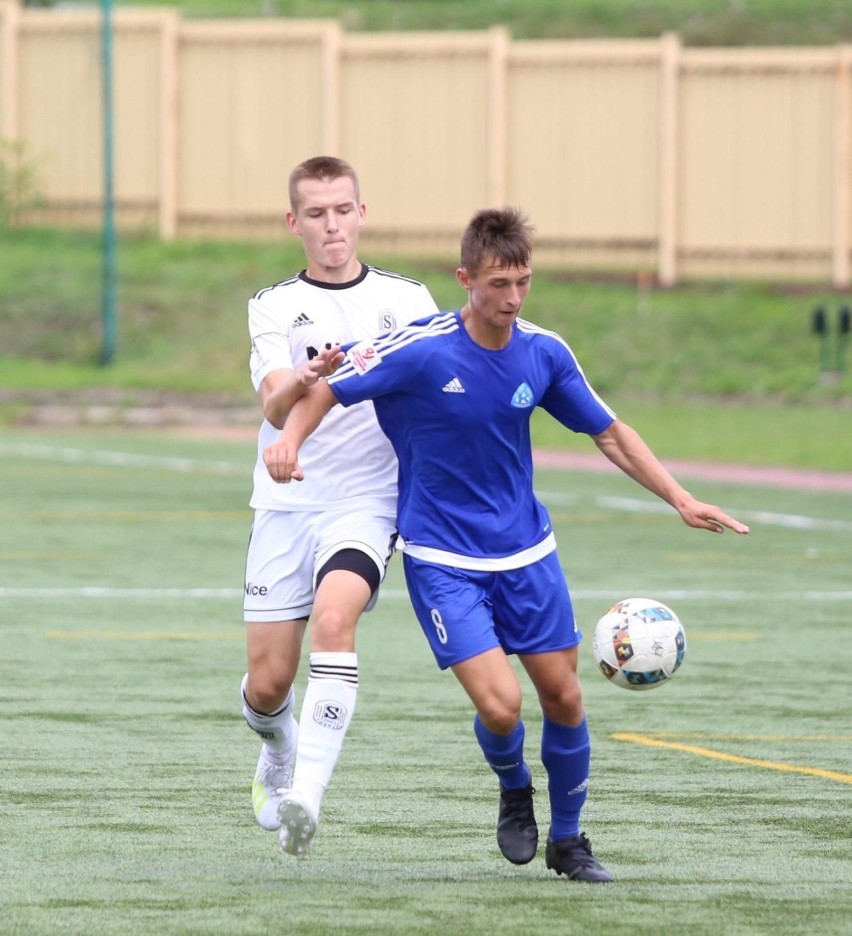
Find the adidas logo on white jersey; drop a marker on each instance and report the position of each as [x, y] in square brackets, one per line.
[301, 319]
[454, 386]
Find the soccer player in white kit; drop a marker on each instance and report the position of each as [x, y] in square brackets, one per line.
[317, 550]
[454, 394]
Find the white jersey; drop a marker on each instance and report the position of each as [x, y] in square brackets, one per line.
[289, 323]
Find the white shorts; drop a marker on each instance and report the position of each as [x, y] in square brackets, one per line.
[287, 549]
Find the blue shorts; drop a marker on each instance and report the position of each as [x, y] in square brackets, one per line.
[464, 613]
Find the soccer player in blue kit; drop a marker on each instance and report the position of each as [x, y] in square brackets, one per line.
[454, 394]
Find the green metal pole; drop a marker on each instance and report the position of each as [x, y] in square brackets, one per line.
[109, 325]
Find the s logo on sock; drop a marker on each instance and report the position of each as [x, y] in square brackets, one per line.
[330, 715]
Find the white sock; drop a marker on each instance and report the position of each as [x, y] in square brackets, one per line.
[278, 729]
[326, 713]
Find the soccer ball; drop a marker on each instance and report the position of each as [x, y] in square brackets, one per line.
[639, 643]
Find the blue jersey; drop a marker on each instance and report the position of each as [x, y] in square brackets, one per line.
[458, 417]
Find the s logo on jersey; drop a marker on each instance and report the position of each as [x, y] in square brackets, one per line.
[387, 321]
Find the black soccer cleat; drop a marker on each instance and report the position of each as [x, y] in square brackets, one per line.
[517, 832]
[573, 857]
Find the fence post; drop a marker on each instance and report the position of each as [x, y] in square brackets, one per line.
[842, 130]
[667, 233]
[169, 117]
[10, 12]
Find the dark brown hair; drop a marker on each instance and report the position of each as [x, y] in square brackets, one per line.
[501, 234]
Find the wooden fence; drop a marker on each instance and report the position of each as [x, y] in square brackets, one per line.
[632, 155]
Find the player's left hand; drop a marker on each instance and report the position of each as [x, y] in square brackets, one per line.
[709, 517]
[282, 462]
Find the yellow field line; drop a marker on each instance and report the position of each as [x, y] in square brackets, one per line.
[705, 736]
[732, 758]
[738, 635]
[146, 635]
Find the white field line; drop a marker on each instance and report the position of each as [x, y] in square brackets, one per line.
[396, 594]
[104, 458]
[759, 517]
[73, 456]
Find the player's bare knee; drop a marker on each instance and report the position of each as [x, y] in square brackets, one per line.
[333, 630]
[565, 705]
[266, 691]
[500, 715]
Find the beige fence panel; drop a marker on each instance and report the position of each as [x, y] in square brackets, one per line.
[757, 183]
[59, 109]
[9, 28]
[255, 99]
[144, 135]
[632, 155]
[58, 113]
[584, 148]
[842, 242]
[415, 121]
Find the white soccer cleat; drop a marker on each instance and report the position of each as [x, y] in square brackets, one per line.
[271, 779]
[298, 824]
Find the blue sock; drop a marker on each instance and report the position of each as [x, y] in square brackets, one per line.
[504, 754]
[566, 754]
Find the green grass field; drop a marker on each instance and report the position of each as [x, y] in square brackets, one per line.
[722, 801]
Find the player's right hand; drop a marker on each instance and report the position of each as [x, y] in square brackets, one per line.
[323, 365]
[282, 462]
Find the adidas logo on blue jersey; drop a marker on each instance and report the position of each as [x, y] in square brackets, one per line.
[301, 319]
[523, 397]
[454, 386]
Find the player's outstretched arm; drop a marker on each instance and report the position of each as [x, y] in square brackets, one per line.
[282, 457]
[280, 393]
[626, 449]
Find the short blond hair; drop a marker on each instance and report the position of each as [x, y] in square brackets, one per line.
[322, 169]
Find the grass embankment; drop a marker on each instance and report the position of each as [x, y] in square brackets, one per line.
[728, 372]
[699, 22]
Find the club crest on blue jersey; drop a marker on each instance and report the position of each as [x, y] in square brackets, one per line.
[523, 397]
